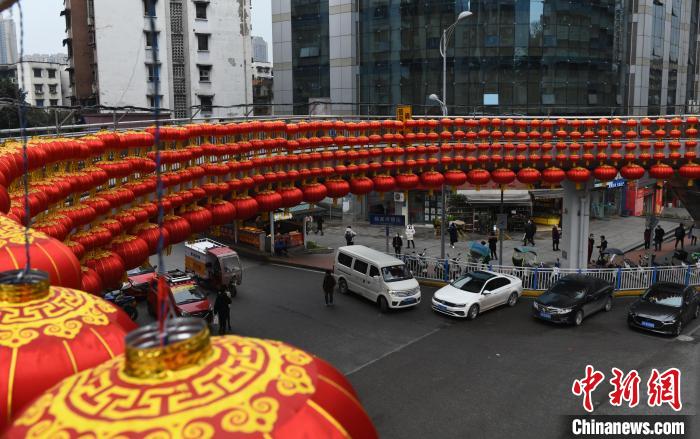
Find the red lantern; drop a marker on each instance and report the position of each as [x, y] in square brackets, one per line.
[92, 282]
[503, 176]
[291, 196]
[690, 171]
[529, 176]
[337, 188]
[178, 228]
[455, 178]
[478, 177]
[151, 234]
[578, 175]
[632, 172]
[109, 266]
[217, 213]
[361, 185]
[314, 192]
[554, 176]
[246, 207]
[131, 249]
[384, 183]
[605, 173]
[407, 181]
[661, 171]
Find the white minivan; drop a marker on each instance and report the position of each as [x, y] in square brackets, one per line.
[377, 276]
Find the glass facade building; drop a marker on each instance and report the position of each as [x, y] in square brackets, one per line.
[526, 56]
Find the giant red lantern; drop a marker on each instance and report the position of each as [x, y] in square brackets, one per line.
[131, 249]
[661, 171]
[151, 234]
[529, 176]
[91, 282]
[361, 185]
[220, 212]
[553, 176]
[246, 207]
[605, 173]
[578, 175]
[632, 172]
[407, 181]
[67, 329]
[179, 228]
[109, 266]
[384, 183]
[455, 178]
[314, 192]
[503, 176]
[337, 188]
[478, 177]
[690, 171]
[255, 388]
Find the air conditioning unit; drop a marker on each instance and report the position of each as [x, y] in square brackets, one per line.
[398, 197]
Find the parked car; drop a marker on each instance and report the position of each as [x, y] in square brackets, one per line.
[138, 282]
[665, 308]
[476, 292]
[377, 276]
[188, 298]
[572, 298]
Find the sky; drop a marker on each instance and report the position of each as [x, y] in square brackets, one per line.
[44, 28]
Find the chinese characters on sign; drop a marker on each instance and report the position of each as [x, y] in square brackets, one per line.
[387, 220]
[662, 388]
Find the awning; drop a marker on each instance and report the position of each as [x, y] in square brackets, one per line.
[547, 194]
[493, 196]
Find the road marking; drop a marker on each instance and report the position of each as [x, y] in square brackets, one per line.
[393, 351]
[297, 268]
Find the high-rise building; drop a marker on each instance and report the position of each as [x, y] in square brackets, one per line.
[262, 88]
[203, 55]
[260, 50]
[510, 56]
[44, 79]
[8, 41]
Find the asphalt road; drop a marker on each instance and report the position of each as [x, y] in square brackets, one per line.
[423, 375]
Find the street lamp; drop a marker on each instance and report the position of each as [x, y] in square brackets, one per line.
[444, 40]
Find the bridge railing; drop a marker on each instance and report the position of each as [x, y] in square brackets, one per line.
[539, 279]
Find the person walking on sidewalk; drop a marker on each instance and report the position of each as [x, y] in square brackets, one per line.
[397, 242]
[350, 235]
[679, 233]
[555, 238]
[319, 224]
[410, 233]
[328, 287]
[591, 243]
[493, 242]
[603, 244]
[693, 232]
[530, 230]
[453, 234]
[647, 238]
[221, 308]
[658, 237]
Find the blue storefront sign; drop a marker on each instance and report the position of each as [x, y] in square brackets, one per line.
[387, 220]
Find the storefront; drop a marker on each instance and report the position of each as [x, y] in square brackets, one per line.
[640, 197]
[480, 209]
[547, 206]
[608, 199]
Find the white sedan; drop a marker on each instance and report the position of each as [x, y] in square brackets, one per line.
[476, 292]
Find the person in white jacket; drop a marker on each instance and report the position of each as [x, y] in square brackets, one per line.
[410, 232]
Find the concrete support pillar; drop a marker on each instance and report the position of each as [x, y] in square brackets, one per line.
[575, 218]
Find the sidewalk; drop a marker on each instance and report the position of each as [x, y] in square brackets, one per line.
[623, 233]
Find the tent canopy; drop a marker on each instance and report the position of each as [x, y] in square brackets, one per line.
[493, 196]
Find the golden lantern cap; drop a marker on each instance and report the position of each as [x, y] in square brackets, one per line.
[183, 343]
[20, 286]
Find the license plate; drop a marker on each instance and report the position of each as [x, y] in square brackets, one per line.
[441, 308]
[545, 315]
[648, 324]
[408, 301]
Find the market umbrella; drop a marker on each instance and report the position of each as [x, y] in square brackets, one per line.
[522, 249]
[478, 248]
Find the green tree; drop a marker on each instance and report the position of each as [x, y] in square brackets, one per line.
[10, 98]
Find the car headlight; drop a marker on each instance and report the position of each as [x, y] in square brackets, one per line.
[185, 314]
[561, 310]
[535, 305]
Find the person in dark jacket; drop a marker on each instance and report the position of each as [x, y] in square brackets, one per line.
[603, 244]
[679, 233]
[319, 224]
[328, 287]
[659, 234]
[591, 243]
[493, 243]
[555, 238]
[647, 238]
[530, 230]
[221, 308]
[453, 234]
[397, 242]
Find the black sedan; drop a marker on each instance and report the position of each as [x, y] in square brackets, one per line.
[665, 308]
[572, 298]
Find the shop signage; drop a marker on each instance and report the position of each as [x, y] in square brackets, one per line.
[404, 112]
[387, 220]
[281, 216]
[618, 182]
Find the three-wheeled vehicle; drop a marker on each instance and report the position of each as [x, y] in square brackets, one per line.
[524, 257]
[214, 265]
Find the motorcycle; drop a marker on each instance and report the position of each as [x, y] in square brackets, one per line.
[125, 302]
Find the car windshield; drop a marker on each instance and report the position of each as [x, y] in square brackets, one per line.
[188, 294]
[230, 265]
[470, 283]
[569, 288]
[664, 296]
[396, 273]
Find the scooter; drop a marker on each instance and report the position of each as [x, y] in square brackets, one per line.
[125, 302]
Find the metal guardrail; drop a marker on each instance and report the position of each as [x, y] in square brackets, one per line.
[539, 279]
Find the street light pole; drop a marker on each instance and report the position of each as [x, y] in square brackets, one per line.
[446, 35]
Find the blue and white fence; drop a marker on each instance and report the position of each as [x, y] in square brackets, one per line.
[539, 279]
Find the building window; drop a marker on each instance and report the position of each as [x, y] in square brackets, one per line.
[149, 8]
[52, 88]
[51, 73]
[54, 102]
[206, 103]
[155, 103]
[39, 89]
[203, 42]
[151, 39]
[201, 10]
[39, 102]
[204, 73]
[37, 73]
[153, 72]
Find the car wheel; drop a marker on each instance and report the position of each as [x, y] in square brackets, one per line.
[473, 312]
[608, 304]
[343, 286]
[383, 304]
[697, 312]
[578, 318]
[679, 328]
[513, 299]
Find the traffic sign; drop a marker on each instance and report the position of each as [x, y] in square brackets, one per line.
[387, 220]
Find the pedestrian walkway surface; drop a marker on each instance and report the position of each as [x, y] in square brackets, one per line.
[624, 233]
